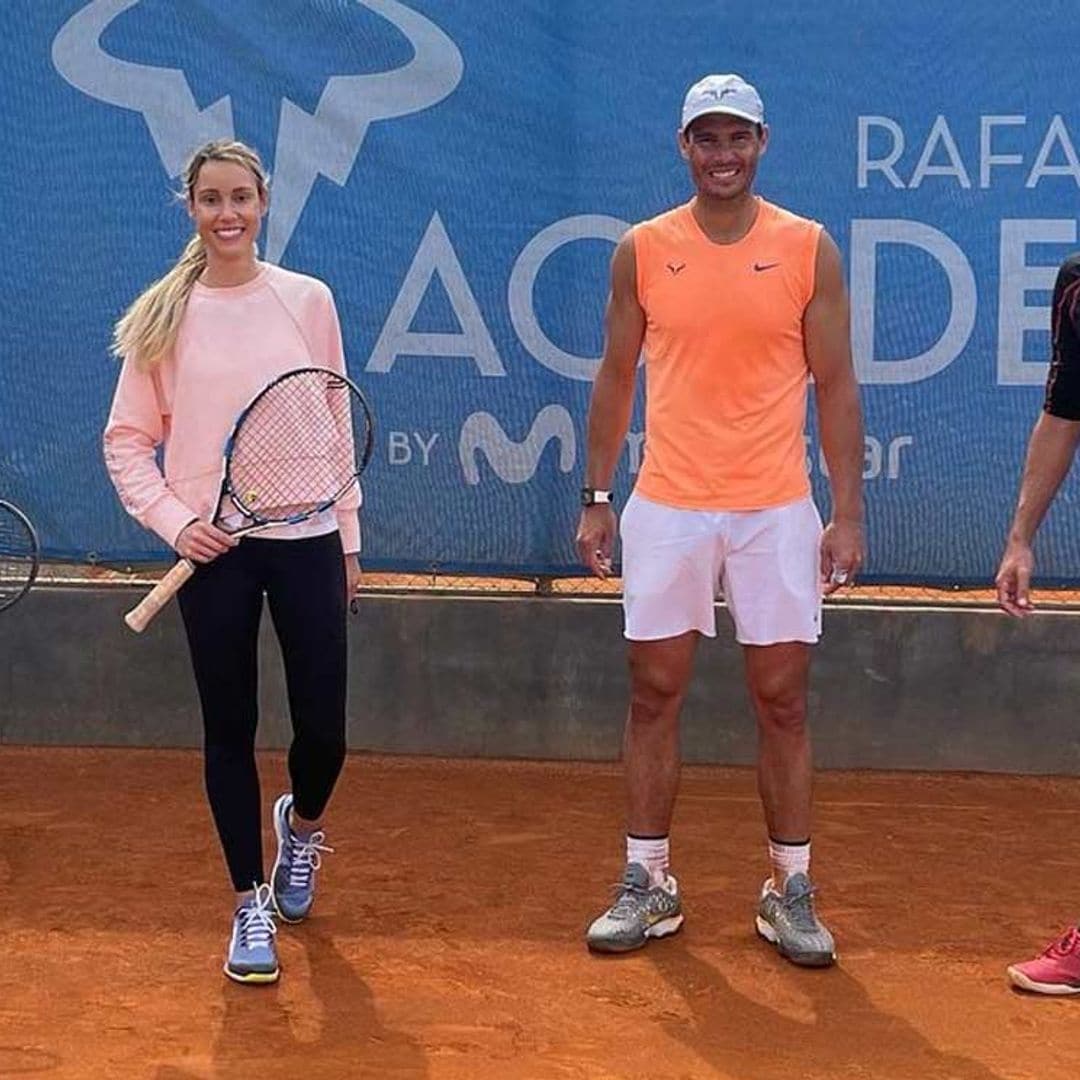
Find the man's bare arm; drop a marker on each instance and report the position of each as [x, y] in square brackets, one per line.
[827, 336]
[613, 391]
[1050, 453]
[611, 405]
[1049, 457]
[827, 331]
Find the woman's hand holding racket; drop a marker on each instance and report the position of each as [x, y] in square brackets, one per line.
[200, 542]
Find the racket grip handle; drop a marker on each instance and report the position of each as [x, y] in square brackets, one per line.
[139, 617]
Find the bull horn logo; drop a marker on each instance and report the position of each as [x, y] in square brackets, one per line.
[325, 142]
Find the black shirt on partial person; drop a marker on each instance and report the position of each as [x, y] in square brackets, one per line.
[1063, 380]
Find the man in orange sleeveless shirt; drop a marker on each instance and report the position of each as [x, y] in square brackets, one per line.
[737, 302]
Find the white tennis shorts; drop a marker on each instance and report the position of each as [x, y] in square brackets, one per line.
[765, 564]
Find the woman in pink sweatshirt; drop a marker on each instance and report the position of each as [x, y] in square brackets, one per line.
[196, 346]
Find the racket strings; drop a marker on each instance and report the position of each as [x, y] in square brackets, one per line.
[294, 450]
[18, 555]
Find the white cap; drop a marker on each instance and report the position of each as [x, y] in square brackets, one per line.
[729, 94]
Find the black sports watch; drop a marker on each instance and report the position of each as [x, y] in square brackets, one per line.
[595, 496]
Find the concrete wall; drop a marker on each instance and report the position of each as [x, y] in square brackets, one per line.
[533, 677]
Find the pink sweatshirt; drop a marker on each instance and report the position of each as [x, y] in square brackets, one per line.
[232, 341]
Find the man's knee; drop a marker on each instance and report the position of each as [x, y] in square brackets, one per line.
[656, 689]
[781, 707]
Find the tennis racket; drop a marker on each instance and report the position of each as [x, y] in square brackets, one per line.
[20, 554]
[296, 448]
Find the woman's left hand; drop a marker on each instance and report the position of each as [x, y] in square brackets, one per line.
[354, 579]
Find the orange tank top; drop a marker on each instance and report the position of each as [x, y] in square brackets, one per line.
[725, 364]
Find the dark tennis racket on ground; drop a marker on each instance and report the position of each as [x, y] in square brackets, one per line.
[298, 446]
[20, 554]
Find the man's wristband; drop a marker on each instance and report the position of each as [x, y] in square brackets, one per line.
[595, 496]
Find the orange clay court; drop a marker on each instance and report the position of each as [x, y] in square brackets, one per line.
[447, 938]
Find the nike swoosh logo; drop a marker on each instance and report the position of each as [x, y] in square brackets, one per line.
[764, 266]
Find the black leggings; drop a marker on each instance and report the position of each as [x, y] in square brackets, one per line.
[304, 582]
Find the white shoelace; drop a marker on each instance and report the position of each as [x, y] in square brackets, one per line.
[256, 921]
[306, 857]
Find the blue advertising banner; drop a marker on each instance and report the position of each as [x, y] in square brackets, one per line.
[459, 172]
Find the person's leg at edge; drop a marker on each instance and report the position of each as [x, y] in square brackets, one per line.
[1055, 971]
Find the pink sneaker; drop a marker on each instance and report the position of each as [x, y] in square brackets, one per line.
[1057, 971]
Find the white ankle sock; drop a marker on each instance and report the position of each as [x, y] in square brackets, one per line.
[788, 859]
[650, 852]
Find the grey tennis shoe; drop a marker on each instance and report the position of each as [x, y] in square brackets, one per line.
[298, 858]
[789, 922]
[252, 957]
[641, 911]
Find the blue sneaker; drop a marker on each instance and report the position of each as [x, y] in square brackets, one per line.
[293, 876]
[252, 956]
